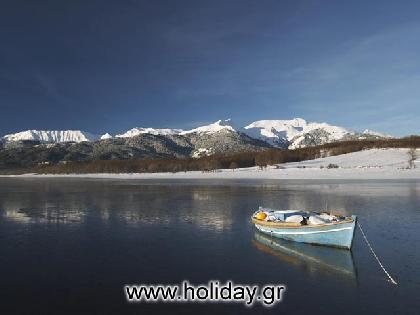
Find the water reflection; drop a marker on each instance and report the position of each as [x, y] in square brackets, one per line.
[50, 215]
[43, 202]
[312, 259]
[207, 207]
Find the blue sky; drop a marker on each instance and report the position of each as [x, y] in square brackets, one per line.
[108, 66]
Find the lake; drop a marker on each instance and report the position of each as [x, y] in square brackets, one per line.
[70, 245]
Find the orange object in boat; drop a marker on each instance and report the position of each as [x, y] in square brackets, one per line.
[260, 216]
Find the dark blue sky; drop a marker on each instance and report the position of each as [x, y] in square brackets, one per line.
[107, 66]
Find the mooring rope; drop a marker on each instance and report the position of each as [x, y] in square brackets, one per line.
[374, 254]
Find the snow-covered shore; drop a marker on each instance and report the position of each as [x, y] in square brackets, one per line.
[368, 164]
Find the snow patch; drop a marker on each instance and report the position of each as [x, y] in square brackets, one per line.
[200, 152]
[139, 130]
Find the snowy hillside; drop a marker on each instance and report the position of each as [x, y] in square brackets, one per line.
[52, 136]
[374, 158]
[368, 164]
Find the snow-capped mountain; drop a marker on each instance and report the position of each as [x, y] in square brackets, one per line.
[139, 130]
[292, 133]
[375, 133]
[47, 136]
[208, 129]
[276, 129]
[106, 136]
[213, 128]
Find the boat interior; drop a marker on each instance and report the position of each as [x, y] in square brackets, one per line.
[297, 218]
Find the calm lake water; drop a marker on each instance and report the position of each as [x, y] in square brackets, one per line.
[70, 245]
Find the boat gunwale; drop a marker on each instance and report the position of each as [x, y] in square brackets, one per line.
[292, 225]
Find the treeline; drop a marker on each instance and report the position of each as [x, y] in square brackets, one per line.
[214, 162]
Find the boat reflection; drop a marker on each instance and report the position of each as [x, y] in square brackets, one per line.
[313, 259]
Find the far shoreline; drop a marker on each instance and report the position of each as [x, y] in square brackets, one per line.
[251, 173]
[373, 164]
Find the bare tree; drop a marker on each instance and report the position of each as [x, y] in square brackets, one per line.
[153, 167]
[412, 156]
[233, 166]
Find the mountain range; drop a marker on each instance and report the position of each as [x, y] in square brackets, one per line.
[223, 136]
[278, 133]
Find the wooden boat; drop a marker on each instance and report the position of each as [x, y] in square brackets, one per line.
[337, 232]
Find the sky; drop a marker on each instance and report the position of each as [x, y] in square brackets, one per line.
[109, 66]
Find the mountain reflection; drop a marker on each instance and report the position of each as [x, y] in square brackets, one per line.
[43, 202]
[46, 215]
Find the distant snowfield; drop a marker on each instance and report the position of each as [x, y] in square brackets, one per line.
[367, 164]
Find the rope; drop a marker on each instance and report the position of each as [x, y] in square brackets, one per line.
[374, 254]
